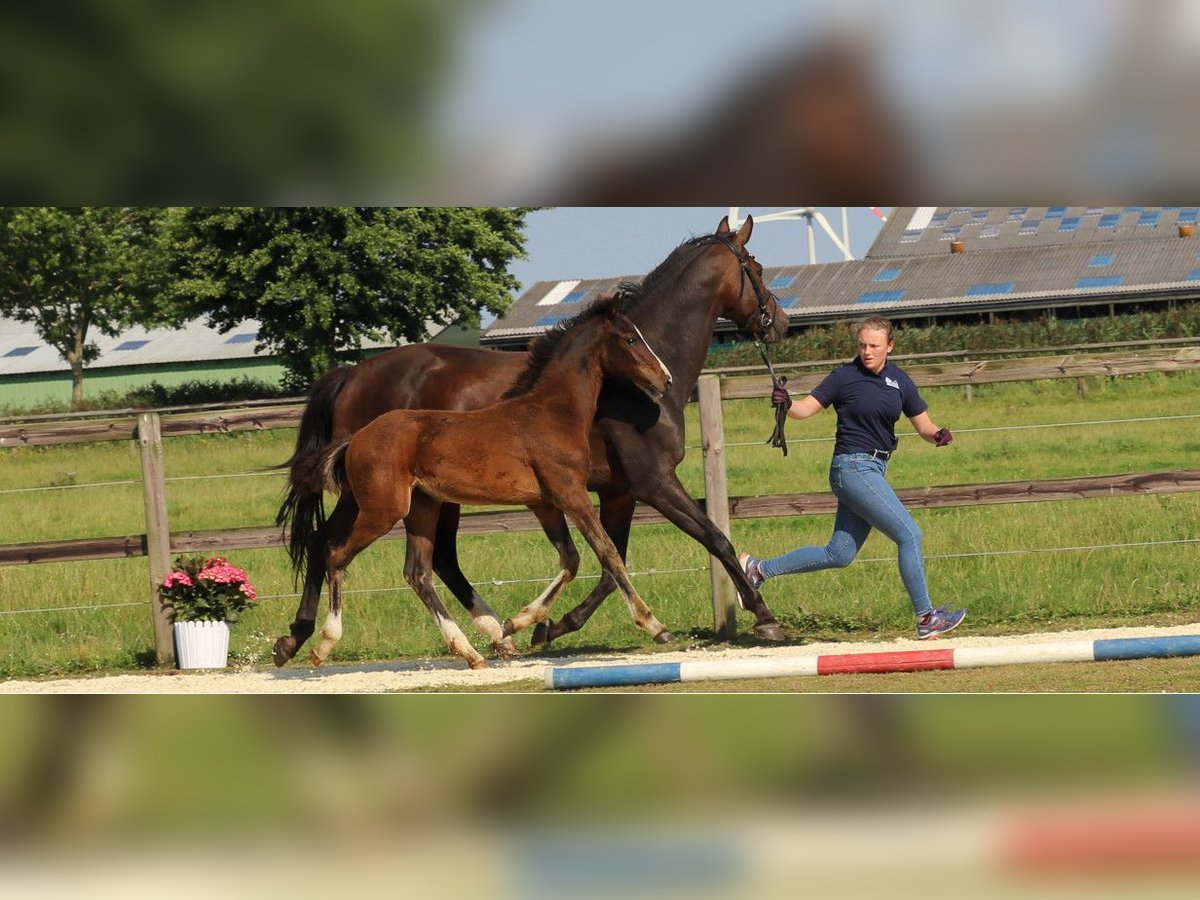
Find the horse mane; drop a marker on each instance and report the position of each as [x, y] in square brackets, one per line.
[546, 347]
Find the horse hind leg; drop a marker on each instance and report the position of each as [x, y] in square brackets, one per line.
[419, 527]
[305, 623]
[554, 524]
[445, 564]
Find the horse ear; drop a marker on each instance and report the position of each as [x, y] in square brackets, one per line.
[723, 228]
[743, 234]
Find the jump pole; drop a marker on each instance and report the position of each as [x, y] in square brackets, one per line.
[568, 677]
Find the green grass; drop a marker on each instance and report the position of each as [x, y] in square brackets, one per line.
[1042, 582]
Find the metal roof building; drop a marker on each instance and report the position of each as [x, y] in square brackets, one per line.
[938, 263]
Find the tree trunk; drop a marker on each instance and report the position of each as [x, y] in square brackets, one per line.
[76, 384]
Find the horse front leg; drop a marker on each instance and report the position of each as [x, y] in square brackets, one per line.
[419, 528]
[668, 496]
[580, 511]
[616, 517]
[445, 564]
[554, 524]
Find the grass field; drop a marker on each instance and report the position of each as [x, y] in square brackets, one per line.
[1018, 567]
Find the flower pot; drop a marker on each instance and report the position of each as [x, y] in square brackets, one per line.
[202, 645]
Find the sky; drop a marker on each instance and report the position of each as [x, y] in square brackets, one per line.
[608, 242]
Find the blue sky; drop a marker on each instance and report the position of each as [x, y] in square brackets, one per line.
[607, 242]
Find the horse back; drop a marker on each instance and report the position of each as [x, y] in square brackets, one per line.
[423, 376]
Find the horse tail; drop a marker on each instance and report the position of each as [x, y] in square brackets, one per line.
[334, 469]
[303, 507]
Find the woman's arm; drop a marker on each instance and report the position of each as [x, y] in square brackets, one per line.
[806, 406]
[927, 429]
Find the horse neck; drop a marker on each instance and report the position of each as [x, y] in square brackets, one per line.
[571, 381]
[677, 317]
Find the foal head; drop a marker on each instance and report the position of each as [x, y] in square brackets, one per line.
[606, 335]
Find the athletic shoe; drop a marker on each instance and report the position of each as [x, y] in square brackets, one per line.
[939, 621]
[750, 566]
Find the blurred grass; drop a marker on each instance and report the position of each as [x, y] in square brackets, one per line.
[1040, 583]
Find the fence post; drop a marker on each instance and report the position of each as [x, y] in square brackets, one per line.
[158, 533]
[716, 502]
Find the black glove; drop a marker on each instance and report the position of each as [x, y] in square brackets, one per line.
[943, 438]
[782, 401]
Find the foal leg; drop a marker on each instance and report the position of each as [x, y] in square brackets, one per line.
[419, 527]
[555, 526]
[616, 516]
[445, 564]
[581, 513]
[350, 531]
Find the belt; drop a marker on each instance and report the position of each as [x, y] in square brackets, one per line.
[885, 455]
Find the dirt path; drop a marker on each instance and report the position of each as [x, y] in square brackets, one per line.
[451, 675]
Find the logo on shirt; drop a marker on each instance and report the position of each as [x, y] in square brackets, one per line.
[890, 382]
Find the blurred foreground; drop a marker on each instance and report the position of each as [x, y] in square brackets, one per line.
[621, 103]
[603, 796]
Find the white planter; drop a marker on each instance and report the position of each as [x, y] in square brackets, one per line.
[202, 645]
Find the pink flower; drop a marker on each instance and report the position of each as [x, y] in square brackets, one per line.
[248, 591]
[180, 579]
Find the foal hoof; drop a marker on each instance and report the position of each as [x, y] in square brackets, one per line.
[664, 637]
[769, 631]
[505, 648]
[477, 663]
[285, 649]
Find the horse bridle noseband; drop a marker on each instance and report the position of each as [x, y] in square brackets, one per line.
[767, 319]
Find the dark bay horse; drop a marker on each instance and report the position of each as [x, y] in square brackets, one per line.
[529, 449]
[636, 444]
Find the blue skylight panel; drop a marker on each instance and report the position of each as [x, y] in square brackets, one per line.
[19, 351]
[1101, 259]
[951, 233]
[1109, 220]
[881, 296]
[1193, 275]
[244, 338]
[912, 234]
[989, 231]
[131, 345]
[1147, 218]
[1093, 210]
[1056, 212]
[782, 282]
[887, 275]
[1188, 216]
[552, 319]
[1029, 226]
[1069, 223]
[575, 297]
[1017, 213]
[1100, 281]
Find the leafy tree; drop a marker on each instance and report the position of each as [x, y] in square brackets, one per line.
[322, 280]
[75, 271]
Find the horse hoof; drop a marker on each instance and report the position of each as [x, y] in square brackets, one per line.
[505, 648]
[664, 637]
[315, 660]
[507, 629]
[285, 649]
[478, 663]
[541, 635]
[769, 631]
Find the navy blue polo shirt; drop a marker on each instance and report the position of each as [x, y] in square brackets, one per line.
[868, 405]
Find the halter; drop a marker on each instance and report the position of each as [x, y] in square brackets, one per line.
[744, 258]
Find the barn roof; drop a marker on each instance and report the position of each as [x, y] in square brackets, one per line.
[1010, 257]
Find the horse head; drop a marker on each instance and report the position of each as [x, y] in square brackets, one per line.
[626, 353]
[745, 300]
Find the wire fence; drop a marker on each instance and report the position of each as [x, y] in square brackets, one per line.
[646, 573]
[280, 473]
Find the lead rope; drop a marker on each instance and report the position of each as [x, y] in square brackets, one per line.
[777, 438]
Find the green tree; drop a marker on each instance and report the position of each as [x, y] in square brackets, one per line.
[75, 271]
[320, 280]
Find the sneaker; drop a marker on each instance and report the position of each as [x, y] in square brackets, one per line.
[939, 621]
[750, 566]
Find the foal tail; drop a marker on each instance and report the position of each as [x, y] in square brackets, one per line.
[303, 507]
[333, 469]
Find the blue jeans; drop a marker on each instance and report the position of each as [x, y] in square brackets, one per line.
[865, 501]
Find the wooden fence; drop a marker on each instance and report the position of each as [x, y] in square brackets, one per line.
[158, 544]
